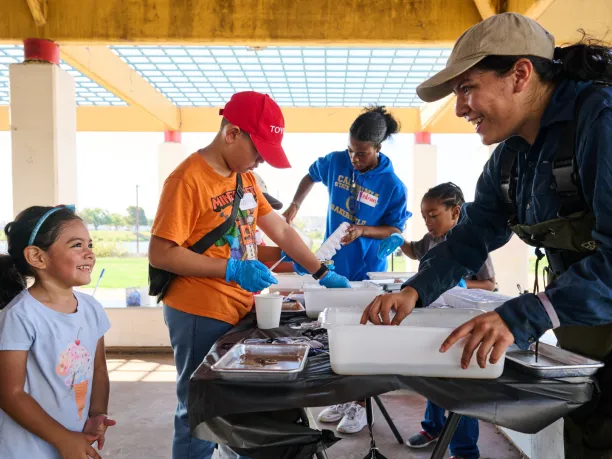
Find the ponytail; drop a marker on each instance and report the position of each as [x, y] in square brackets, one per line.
[14, 268]
[374, 125]
[583, 61]
[12, 282]
[586, 60]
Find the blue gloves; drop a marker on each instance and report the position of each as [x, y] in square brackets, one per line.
[462, 284]
[334, 280]
[389, 245]
[331, 279]
[251, 275]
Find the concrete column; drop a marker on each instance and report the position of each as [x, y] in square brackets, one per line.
[546, 444]
[43, 129]
[169, 155]
[424, 177]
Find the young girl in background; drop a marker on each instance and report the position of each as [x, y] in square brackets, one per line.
[54, 385]
[441, 207]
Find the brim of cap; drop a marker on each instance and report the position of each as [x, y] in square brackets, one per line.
[275, 203]
[273, 154]
[440, 85]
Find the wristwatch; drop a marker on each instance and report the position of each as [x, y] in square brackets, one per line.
[321, 272]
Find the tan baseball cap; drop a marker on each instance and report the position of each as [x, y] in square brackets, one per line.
[506, 34]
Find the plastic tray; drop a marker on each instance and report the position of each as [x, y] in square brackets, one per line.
[288, 283]
[388, 285]
[412, 349]
[263, 362]
[474, 298]
[553, 362]
[318, 298]
[390, 275]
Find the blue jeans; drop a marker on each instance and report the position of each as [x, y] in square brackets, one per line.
[464, 442]
[191, 337]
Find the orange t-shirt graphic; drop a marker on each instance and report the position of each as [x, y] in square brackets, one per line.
[194, 201]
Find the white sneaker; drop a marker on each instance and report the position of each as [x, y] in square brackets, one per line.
[354, 420]
[333, 413]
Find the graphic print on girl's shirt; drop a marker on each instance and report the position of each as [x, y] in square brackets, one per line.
[76, 367]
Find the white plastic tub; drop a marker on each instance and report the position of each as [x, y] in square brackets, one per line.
[462, 298]
[411, 349]
[390, 275]
[318, 298]
[288, 282]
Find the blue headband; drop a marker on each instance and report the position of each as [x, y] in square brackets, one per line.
[44, 217]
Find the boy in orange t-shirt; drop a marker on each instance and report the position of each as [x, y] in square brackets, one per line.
[213, 291]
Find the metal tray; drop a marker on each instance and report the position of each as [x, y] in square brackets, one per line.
[263, 362]
[388, 285]
[292, 306]
[553, 362]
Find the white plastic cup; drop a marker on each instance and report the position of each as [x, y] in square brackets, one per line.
[268, 310]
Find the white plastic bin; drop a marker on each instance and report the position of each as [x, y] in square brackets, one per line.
[411, 349]
[390, 275]
[474, 298]
[288, 282]
[318, 298]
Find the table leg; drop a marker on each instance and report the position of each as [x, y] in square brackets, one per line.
[445, 437]
[392, 425]
[311, 422]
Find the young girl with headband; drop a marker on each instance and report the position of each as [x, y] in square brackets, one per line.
[54, 385]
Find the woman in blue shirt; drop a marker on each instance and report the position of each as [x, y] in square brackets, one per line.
[363, 190]
[550, 182]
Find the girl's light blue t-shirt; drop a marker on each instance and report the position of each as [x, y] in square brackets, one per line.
[59, 373]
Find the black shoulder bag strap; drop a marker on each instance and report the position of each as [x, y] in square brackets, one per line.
[209, 239]
[160, 280]
[508, 180]
[565, 165]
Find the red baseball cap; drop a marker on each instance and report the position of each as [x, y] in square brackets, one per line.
[260, 117]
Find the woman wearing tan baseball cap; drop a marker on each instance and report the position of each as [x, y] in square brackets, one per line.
[549, 181]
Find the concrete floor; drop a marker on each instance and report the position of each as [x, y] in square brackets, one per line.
[143, 403]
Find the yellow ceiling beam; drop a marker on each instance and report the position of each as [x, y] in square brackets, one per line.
[446, 122]
[38, 8]
[281, 22]
[565, 18]
[206, 119]
[487, 8]
[431, 113]
[254, 23]
[104, 67]
[530, 8]
[5, 124]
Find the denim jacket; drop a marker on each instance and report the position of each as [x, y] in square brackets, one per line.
[583, 294]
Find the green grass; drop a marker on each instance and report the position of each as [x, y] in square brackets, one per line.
[399, 264]
[121, 272]
[118, 236]
[532, 262]
[109, 236]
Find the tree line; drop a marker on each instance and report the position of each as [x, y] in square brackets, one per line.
[101, 217]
